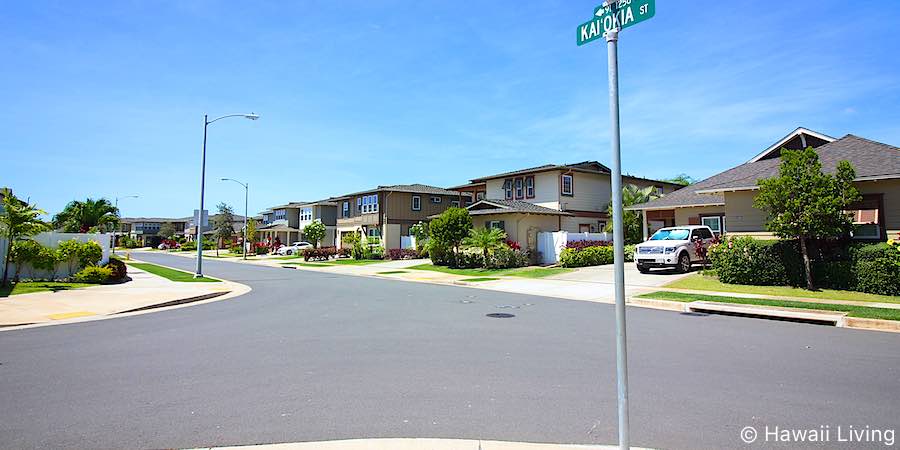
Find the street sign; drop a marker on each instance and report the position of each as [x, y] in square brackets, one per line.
[624, 14]
[204, 222]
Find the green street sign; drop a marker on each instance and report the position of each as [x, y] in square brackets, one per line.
[624, 14]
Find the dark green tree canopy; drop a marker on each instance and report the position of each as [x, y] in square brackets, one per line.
[314, 232]
[89, 215]
[451, 227]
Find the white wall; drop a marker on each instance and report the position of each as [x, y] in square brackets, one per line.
[551, 245]
[52, 239]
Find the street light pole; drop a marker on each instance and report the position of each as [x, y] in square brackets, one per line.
[246, 211]
[198, 233]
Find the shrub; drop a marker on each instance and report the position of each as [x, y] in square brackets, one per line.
[93, 275]
[507, 258]
[189, 246]
[513, 245]
[236, 249]
[319, 254]
[118, 269]
[629, 253]
[589, 256]
[402, 253]
[89, 254]
[745, 260]
[343, 252]
[876, 269]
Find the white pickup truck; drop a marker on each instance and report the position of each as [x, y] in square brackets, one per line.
[672, 247]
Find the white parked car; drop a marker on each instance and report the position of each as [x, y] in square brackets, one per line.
[672, 247]
[294, 248]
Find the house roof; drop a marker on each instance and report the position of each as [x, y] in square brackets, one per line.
[584, 166]
[412, 188]
[278, 227]
[797, 139]
[496, 206]
[871, 160]
[153, 219]
[467, 185]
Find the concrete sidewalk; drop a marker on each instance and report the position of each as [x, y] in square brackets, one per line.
[418, 444]
[89, 303]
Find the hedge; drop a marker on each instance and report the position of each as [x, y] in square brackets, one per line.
[872, 268]
[589, 256]
[402, 253]
[319, 254]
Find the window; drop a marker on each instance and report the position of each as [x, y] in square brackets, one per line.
[374, 232]
[479, 196]
[659, 190]
[584, 228]
[498, 224]
[345, 209]
[867, 215]
[306, 214]
[601, 226]
[454, 203]
[507, 188]
[416, 203]
[713, 222]
[567, 183]
[368, 204]
[280, 214]
[435, 200]
[520, 192]
[529, 187]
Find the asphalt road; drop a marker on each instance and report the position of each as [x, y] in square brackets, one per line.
[313, 356]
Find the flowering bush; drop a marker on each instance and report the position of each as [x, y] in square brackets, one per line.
[579, 245]
[513, 245]
[319, 254]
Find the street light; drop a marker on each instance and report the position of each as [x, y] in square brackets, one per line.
[117, 212]
[198, 235]
[246, 197]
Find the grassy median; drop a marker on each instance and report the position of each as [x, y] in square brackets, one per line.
[172, 274]
[866, 312]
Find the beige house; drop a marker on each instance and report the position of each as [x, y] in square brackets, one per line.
[387, 212]
[724, 201]
[552, 197]
[286, 222]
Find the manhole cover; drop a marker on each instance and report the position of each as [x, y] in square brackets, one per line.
[501, 315]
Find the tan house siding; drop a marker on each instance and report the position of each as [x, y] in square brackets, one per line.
[688, 216]
[517, 226]
[741, 216]
[546, 189]
[399, 206]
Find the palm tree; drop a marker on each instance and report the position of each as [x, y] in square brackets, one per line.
[81, 217]
[632, 221]
[486, 239]
[18, 218]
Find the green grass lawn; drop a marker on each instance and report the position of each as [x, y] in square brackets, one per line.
[526, 272]
[172, 274]
[702, 282]
[40, 286]
[478, 279]
[853, 311]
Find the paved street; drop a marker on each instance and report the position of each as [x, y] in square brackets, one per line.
[312, 356]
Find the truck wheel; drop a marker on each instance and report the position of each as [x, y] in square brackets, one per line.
[684, 263]
[643, 269]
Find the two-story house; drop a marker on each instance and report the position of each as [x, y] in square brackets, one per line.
[552, 197]
[146, 229]
[286, 222]
[387, 212]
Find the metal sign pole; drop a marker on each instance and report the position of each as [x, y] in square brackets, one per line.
[612, 38]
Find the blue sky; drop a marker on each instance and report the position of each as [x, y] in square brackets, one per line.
[106, 99]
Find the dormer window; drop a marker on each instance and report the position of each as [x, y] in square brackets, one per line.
[508, 189]
[520, 189]
[529, 187]
[567, 184]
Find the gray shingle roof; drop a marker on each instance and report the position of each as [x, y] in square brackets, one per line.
[870, 159]
[413, 188]
[494, 206]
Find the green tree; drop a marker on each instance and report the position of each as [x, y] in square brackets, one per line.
[450, 228]
[682, 179]
[804, 203]
[166, 230]
[314, 232]
[18, 219]
[223, 225]
[251, 231]
[89, 215]
[487, 240]
[632, 221]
